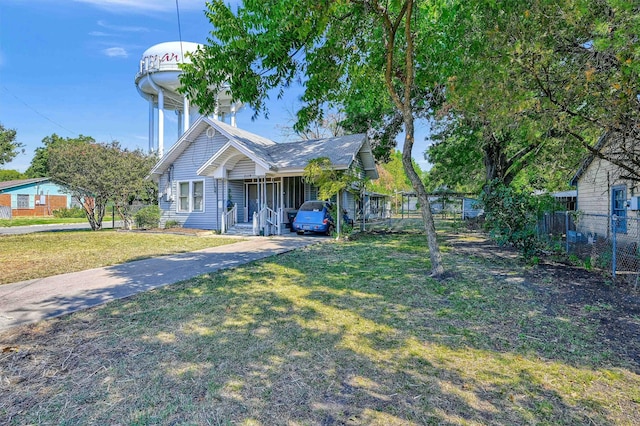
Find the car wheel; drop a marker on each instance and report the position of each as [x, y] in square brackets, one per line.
[330, 230]
[300, 232]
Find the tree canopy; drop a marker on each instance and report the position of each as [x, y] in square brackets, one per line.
[97, 173]
[9, 147]
[40, 162]
[538, 82]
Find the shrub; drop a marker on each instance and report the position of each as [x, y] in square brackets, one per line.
[148, 217]
[511, 216]
[172, 224]
[64, 212]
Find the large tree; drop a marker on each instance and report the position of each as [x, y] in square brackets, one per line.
[344, 52]
[543, 79]
[9, 147]
[97, 173]
[6, 175]
[40, 162]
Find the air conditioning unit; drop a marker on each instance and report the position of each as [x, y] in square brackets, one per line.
[634, 203]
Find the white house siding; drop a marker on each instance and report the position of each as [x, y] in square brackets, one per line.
[594, 195]
[350, 204]
[244, 169]
[184, 169]
[357, 168]
[238, 198]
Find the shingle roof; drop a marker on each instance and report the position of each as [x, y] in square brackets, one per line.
[340, 150]
[21, 182]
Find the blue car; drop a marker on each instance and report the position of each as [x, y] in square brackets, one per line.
[313, 216]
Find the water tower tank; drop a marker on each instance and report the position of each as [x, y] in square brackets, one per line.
[158, 80]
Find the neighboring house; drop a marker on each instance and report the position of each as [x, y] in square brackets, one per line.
[216, 175]
[33, 197]
[566, 199]
[603, 190]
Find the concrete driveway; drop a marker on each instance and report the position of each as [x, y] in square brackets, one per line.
[34, 300]
[15, 230]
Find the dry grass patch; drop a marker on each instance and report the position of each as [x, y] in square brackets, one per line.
[335, 334]
[38, 255]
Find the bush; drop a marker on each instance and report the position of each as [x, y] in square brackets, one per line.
[148, 217]
[64, 212]
[172, 224]
[511, 216]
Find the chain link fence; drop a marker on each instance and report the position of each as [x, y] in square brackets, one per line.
[603, 242]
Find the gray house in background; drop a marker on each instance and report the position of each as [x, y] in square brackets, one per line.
[217, 175]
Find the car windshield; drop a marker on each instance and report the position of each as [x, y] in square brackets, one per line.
[312, 206]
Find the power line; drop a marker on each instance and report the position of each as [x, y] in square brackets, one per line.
[179, 30]
[39, 113]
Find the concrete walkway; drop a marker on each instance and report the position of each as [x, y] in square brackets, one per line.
[34, 300]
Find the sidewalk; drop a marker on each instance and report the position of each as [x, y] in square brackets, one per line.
[34, 300]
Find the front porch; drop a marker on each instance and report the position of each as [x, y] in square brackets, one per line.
[262, 204]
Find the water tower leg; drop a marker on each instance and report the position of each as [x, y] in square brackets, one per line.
[152, 125]
[233, 115]
[160, 123]
[185, 114]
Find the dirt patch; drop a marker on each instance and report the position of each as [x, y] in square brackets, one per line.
[574, 292]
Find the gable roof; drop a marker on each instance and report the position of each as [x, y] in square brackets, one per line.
[254, 143]
[278, 157]
[340, 150]
[10, 184]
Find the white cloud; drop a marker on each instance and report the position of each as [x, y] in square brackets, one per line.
[142, 6]
[116, 52]
[99, 34]
[121, 28]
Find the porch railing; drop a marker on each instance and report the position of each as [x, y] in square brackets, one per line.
[269, 221]
[229, 219]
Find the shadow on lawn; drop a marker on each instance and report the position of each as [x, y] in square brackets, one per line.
[337, 335]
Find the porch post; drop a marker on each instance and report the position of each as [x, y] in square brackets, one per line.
[338, 215]
[281, 209]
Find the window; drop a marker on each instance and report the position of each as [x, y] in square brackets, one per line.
[191, 196]
[23, 201]
[619, 207]
[198, 194]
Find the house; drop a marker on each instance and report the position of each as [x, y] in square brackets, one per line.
[32, 197]
[603, 190]
[217, 175]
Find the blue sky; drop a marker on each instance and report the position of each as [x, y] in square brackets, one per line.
[68, 67]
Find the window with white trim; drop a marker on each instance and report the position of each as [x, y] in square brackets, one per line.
[190, 196]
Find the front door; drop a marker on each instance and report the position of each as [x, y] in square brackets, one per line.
[253, 202]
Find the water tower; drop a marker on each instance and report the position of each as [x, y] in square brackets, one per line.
[158, 80]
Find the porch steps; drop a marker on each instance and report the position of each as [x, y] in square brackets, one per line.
[244, 229]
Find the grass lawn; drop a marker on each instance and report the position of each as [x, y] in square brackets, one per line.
[352, 333]
[28, 221]
[38, 255]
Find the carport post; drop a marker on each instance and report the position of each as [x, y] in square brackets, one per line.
[614, 231]
[566, 229]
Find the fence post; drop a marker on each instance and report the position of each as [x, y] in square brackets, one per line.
[614, 231]
[566, 229]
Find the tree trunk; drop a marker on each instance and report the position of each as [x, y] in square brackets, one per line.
[404, 105]
[429, 225]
